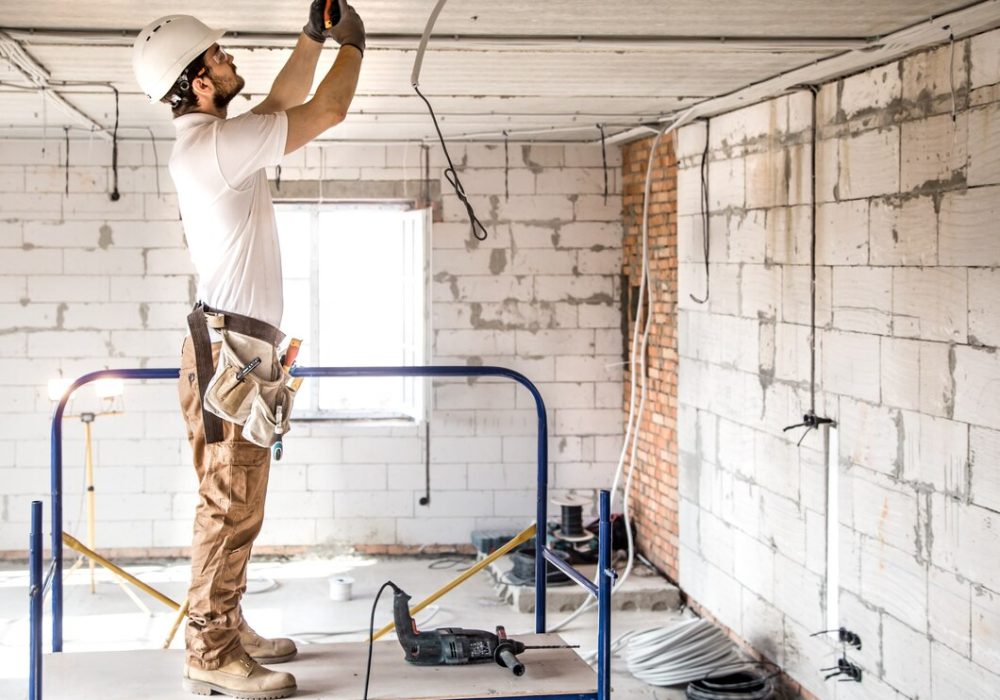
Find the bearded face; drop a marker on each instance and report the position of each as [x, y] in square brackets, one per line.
[227, 86]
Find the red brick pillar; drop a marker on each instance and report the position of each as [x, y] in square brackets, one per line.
[654, 491]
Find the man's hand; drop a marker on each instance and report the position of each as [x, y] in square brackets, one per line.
[350, 30]
[315, 28]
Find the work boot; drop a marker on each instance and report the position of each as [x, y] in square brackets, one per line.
[240, 678]
[266, 651]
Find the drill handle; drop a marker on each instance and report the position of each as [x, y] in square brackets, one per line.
[406, 629]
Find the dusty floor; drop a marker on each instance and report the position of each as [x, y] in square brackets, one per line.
[290, 598]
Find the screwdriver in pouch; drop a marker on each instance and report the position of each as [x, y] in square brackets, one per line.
[251, 366]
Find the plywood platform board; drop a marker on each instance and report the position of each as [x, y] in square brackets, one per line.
[329, 671]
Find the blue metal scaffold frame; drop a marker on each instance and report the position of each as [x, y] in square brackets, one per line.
[54, 577]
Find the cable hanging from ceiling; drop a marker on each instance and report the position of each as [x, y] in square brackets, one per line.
[705, 217]
[478, 230]
[811, 420]
[47, 87]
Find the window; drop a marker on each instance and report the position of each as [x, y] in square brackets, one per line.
[355, 286]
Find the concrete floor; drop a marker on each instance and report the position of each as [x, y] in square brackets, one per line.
[290, 598]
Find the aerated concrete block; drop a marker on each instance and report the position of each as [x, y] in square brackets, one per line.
[873, 89]
[976, 371]
[862, 299]
[984, 145]
[642, 591]
[869, 164]
[984, 59]
[851, 364]
[842, 233]
[906, 658]
[903, 232]
[984, 456]
[895, 581]
[930, 303]
[933, 151]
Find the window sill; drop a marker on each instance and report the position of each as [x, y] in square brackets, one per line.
[380, 420]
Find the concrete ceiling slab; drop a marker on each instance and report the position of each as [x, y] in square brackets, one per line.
[515, 66]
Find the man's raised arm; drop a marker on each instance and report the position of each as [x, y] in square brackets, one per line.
[333, 97]
[291, 86]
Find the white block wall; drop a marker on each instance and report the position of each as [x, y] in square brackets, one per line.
[908, 286]
[88, 283]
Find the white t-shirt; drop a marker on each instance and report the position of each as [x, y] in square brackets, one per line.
[218, 169]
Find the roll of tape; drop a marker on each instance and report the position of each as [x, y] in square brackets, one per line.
[340, 587]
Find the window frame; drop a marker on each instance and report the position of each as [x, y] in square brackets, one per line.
[420, 386]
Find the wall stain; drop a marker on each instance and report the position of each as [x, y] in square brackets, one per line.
[105, 240]
[452, 281]
[498, 261]
[900, 444]
[531, 165]
[949, 388]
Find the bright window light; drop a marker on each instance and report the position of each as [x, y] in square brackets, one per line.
[355, 285]
[109, 388]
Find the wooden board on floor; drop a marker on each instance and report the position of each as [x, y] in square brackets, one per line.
[329, 671]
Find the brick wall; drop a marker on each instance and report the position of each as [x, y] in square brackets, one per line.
[655, 481]
[89, 283]
[909, 258]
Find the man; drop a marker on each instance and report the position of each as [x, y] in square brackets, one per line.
[217, 165]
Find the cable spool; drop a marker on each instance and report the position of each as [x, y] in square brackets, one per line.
[571, 521]
[743, 684]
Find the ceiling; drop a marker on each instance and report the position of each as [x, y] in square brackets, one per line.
[547, 70]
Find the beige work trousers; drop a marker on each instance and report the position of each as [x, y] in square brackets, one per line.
[232, 484]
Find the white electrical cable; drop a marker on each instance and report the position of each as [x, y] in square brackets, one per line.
[681, 653]
[419, 61]
[631, 441]
[308, 637]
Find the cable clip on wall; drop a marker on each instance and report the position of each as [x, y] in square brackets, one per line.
[844, 666]
[810, 421]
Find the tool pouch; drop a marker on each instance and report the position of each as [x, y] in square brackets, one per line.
[251, 398]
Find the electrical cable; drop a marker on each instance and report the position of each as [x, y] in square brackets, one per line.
[744, 683]
[634, 417]
[604, 160]
[431, 611]
[66, 134]
[115, 195]
[478, 230]
[630, 443]
[371, 632]
[680, 653]
[156, 160]
[269, 584]
[811, 420]
[449, 562]
[951, 72]
[812, 261]
[506, 166]
[705, 228]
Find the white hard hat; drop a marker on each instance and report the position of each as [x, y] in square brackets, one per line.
[164, 48]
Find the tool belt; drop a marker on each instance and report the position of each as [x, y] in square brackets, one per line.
[249, 387]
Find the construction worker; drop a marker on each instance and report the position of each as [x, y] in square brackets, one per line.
[217, 165]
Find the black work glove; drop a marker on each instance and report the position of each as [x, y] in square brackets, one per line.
[316, 28]
[350, 30]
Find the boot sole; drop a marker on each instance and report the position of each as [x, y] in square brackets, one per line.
[205, 688]
[268, 660]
